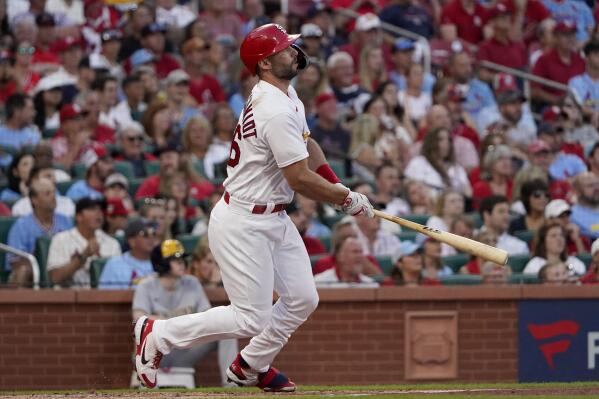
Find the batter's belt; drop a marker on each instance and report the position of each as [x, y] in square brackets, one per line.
[253, 208]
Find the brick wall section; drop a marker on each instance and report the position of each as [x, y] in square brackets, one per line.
[69, 339]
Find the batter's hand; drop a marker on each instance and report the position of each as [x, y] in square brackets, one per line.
[357, 204]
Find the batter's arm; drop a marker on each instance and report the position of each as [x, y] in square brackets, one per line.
[316, 157]
[306, 182]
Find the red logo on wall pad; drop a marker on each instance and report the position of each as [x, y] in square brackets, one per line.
[541, 332]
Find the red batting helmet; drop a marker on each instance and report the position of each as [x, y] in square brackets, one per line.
[265, 41]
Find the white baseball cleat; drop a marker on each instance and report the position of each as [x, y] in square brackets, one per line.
[147, 356]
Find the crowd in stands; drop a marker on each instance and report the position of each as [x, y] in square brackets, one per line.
[117, 120]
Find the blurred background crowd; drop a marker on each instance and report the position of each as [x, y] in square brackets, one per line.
[478, 118]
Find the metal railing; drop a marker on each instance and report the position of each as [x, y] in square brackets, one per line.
[35, 267]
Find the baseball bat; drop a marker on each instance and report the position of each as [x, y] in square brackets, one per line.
[460, 243]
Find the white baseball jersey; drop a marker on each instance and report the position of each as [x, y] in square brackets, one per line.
[272, 133]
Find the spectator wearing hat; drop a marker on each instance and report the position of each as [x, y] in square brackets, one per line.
[550, 246]
[408, 267]
[177, 92]
[327, 129]
[153, 40]
[301, 220]
[115, 217]
[349, 267]
[464, 19]
[592, 274]
[367, 32]
[579, 14]
[494, 212]
[99, 166]
[107, 58]
[131, 137]
[535, 197]
[351, 97]
[407, 15]
[48, 100]
[559, 64]
[43, 221]
[18, 130]
[585, 212]
[174, 15]
[203, 87]
[71, 143]
[44, 59]
[70, 52]
[497, 175]
[126, 271]
[402, 54]
[172, 292]
[312, 41]
[559, 210]
[171, 163]
[72, 251]
[477, 94]
[501, 48]
[513, 110]
[23, 206]
[117, 186]
[585, 87]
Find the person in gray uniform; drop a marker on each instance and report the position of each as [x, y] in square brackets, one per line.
[171, 293]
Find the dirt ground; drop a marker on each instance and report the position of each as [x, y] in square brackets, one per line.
[540, 391]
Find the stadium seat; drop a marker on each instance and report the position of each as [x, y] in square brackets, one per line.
[518, 262]
[189, 242]
[519, 278]
[386, 264]
[64, 186]
[42, 247]
[95, 271]
[585, 258]
[461, 279]
[421, 219]
[476, 219]
[6, 223]
[125, 168]
[151, 167]
[326, 241]
[525, 235]
[455, 261]
[407, 235]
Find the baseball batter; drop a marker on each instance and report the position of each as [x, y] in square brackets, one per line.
[253, 240]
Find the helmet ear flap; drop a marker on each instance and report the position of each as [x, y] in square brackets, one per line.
[303, 60]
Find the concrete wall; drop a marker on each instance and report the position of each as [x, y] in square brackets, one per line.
[82, 339]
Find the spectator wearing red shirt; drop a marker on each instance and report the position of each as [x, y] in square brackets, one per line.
[346, 227]
[170, 162]
[500, 48]
[25, 78]
[467, 17]
[203, 87]
[300, 220]
[476, 263]
[592, 274]
[43, 58]
[559, 64]
[496, 175]
[527, 17]
[153, 40]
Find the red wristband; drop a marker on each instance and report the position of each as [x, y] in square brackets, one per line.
[325, 171]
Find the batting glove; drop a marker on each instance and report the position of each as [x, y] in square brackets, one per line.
[357, 204]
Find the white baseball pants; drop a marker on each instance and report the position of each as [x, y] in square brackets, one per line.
[256, 254]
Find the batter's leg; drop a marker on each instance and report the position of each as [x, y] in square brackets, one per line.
[298, 298]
